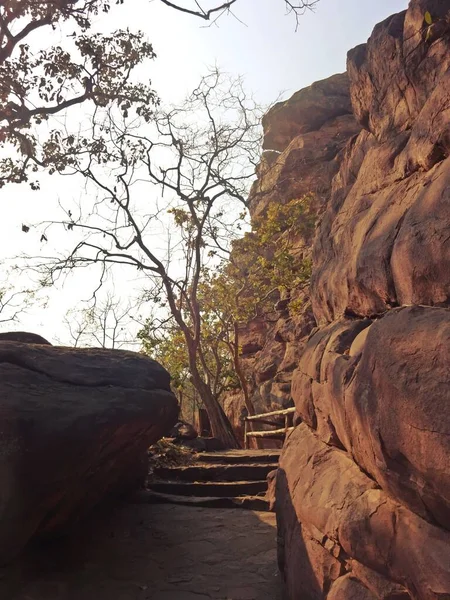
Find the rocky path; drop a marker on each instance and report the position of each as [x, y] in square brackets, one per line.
[154, 552]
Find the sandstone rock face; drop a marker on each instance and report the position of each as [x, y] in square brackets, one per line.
[305, 137]
[308, 110]
[404, 443]
[74, 429]
[362, 493]
[234, 407]
[384, 238]
[321, 489]
[308, 163]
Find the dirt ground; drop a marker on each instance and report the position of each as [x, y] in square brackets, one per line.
[154, 552]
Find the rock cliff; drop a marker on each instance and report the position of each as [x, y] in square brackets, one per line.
[362, 493]
[309, 132]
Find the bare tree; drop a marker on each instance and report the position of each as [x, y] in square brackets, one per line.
[212, 14]
[195, 165]
[13, 303]
[16, 300]
[39, 84]
[107, 323]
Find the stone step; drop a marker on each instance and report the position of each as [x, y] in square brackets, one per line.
[234, 457]
[215, 472]
[245, 502]
[218, 489]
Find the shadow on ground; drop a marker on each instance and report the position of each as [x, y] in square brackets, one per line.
[145, 552]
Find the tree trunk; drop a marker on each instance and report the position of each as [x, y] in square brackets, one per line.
[220, 425]
[254, 442]
[239, 372]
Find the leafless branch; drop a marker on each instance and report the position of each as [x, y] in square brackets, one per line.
[201, 13]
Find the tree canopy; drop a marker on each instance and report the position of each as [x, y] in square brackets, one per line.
[142, 165]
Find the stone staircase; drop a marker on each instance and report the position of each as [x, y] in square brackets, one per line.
[232, 479]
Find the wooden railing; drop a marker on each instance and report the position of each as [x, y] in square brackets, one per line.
[263, 418]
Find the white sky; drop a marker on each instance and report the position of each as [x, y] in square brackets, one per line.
[264, 48]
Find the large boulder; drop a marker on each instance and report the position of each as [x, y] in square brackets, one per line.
[381, 390]
[397, 408]
[74, 429]
[23, 336]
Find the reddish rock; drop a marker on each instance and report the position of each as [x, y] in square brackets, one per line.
[271, 489]
[307, 567]
[362, 493]
[398, 51]
[75, 428]
[397, 409]
[318, 382]
[307, 165]
[252, 336]
[348, 587]
[234, 407]
[380, 587]
[382, 393]
[312, 145]
[307, 110]
[269, 360]
[383, 239]
[320, 488]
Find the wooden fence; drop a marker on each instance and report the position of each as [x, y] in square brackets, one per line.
[277, 433]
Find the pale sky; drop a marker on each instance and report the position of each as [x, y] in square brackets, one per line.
[262, 45]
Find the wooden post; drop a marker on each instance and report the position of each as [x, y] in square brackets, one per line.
[257, 436]
[291, 419]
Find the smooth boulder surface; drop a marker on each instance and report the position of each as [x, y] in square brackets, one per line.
[75, 425]
[381, 391]
[307, 110]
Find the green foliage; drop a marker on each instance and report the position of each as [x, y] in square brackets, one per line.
[263, 261]
[169, 349]
[296, 306]
[167, 345]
